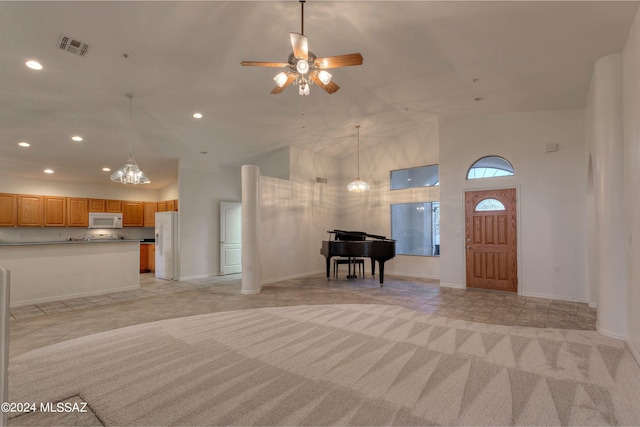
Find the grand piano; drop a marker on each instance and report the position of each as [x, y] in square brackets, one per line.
[358, 244]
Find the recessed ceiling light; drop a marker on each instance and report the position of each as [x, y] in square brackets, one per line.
[197, 115]
[478, 99]
[106, 169]
[34, 65]
[24, 144]
[48, 171]
[77, 138]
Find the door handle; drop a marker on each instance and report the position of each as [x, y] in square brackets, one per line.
[469, 247]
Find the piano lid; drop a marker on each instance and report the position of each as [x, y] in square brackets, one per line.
[354, 235]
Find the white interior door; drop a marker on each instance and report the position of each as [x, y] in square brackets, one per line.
[230, 238]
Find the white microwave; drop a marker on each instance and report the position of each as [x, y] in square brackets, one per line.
[105, 220]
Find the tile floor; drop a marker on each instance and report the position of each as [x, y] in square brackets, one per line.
[43, 324]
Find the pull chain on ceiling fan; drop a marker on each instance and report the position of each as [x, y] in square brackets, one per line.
[304, 67]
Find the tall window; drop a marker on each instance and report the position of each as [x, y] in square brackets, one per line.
[489, 167]
[416, 228]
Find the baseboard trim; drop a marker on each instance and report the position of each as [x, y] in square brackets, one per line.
[609, 333]
[452, 285]
[412, 275]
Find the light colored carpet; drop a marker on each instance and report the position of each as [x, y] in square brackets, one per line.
[336, 365]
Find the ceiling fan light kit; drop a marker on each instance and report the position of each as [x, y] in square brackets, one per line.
[305, 68]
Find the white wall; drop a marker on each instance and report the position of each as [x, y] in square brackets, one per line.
[201, 192]
[371, 212]
[551, 191]
[296, 214]
[631, 105]
[605, 145]
[110, 190]
[170, 192]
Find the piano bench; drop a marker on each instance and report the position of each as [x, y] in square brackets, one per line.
[356, 261]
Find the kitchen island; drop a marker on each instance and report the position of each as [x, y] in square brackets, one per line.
[52, 271]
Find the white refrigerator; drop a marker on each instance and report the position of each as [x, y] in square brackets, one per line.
[167, 245]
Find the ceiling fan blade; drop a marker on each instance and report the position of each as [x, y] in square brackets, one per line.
[300, 46]
[291, 77]
[330, 87]
[347, 60]
[265, 64]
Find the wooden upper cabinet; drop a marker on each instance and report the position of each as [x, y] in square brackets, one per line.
[172, 205]
[77, 212]
[29, 210]
[162, 206]
[102, 205]
[150, 209]
[97, 205]
[132, 214]
[114, 206]
[55, 211]
[8, 210]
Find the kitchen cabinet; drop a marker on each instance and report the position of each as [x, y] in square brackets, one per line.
[144, 258]
[29, 210]
[77, 212]
[55, 211]
[97, 205]
[114, 206]
[132, 214]
[8, 210]
[26, 210]
[150, 209]
[152, 257]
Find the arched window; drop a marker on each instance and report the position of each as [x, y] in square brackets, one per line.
[490, 205]
[489, 167]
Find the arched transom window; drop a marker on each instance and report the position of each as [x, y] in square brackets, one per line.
[489, 167]
[489, 205]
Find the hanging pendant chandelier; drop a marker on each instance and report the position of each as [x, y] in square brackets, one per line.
[358, 186]
[130, 173]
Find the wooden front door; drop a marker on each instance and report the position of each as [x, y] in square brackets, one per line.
[490, 237]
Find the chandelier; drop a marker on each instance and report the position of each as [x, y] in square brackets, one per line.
[130, 173]
[358, 186]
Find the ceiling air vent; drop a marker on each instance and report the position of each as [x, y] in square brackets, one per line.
[72, 45]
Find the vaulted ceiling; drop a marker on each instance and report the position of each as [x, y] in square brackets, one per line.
[421, 59]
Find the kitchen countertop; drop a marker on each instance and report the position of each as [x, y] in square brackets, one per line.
[70, 242]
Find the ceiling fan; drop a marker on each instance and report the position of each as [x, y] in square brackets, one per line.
[305, 68]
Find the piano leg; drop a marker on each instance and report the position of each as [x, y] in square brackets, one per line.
[328, 259]
[381, 272]
[373, 267]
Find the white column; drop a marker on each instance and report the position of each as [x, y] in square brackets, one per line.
[4, 341]
[251, 260]
[608, 180]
